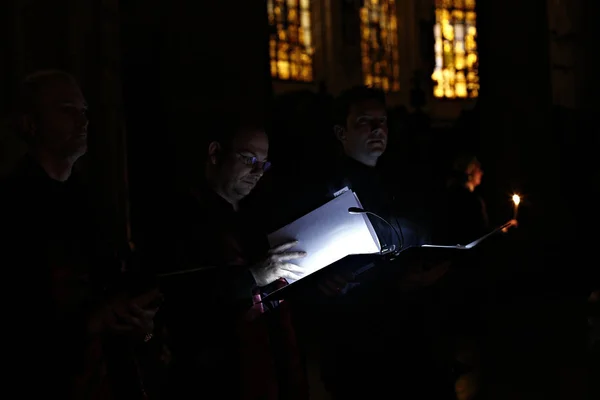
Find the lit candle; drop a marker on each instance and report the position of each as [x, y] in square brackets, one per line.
[516, 200]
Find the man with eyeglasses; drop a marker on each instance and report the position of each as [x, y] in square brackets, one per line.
[219, 334]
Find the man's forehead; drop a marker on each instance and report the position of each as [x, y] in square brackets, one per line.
[61, 92]
[254, 141]
[367, 107]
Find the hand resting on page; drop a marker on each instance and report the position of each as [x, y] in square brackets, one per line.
[276, 265]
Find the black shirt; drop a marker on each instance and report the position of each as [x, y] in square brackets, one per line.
[203, 309]
[55, 255]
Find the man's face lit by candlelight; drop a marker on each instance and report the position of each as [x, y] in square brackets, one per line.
[475, 174]
[365, 135]
[237, 168]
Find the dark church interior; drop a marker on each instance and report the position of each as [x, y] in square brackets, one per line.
[300, 199]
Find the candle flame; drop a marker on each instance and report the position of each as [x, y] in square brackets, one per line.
[516, 199]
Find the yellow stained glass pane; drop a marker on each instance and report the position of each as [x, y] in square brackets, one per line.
[471, 60]
[364, 15]
[455, 73]
[283, 69]
[379, 44]
[385, 84]
[290, 47]
[270, 12]
[437, 31]
[448, 31]
[306, 38]
[292, 16]
[305, 20]
[366, 35]
[458, 15]
[445, 18]
[307, 73]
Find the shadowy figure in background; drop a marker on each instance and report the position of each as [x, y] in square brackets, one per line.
[463, 216]
[74, 328]
[460, 218]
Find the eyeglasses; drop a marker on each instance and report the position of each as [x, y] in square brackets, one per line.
[253, 161]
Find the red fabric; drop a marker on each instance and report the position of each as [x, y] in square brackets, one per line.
[261, 335]
[265, 334]
[259, 379]
[295, 376]
[93, 383]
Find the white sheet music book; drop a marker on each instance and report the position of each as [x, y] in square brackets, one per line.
[329, 234]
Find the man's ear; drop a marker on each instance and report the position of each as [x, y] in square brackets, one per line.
[214, 152]
[340, 133]
[26, 126]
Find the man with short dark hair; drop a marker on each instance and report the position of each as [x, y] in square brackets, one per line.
[59, 261]
[360, 124]
[227, 343]
[361, 128]
[360, 331]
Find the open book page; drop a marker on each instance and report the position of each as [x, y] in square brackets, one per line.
[329, 234]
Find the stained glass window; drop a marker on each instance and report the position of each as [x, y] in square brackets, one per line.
[456, 61]
[290, 42]
[379, 44]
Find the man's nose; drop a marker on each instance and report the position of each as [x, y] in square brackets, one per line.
[377, 130]
[258, 170]
[84, 121]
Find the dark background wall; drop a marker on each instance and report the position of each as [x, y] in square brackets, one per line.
[186, 64]
[545, 151]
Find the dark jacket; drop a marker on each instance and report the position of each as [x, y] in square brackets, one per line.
[462, 215]
[362, 333]
[58, 260]
[221, 343]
